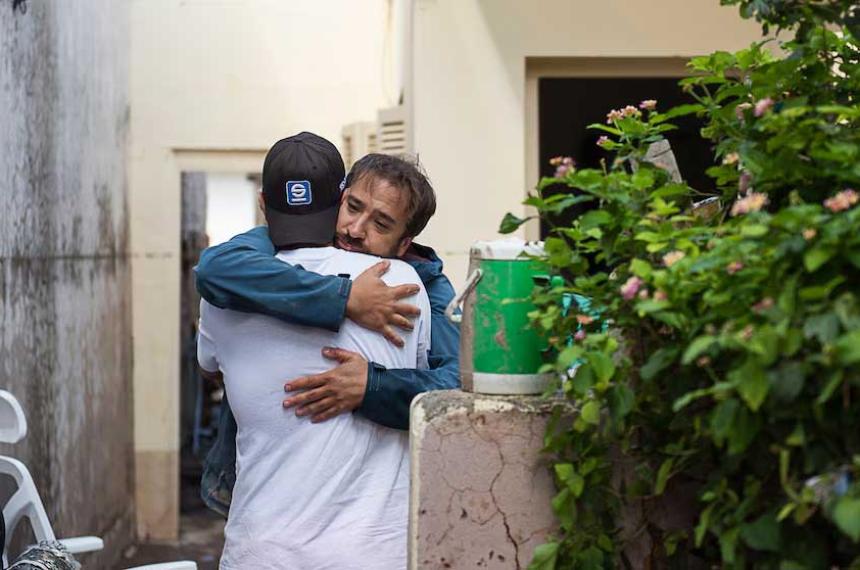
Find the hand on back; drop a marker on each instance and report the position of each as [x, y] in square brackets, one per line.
[378, 307]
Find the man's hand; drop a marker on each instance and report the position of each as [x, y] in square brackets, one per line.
[326, 395]
[374, 305]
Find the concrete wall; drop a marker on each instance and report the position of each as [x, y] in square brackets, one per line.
[65, 314]
[468, 89]
[480, 487]
[214, 83]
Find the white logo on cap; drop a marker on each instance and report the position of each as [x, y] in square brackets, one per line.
[299, 193]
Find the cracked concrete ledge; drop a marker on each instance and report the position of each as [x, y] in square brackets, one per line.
[480, 488]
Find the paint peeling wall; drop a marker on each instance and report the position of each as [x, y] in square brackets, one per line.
[65, 324]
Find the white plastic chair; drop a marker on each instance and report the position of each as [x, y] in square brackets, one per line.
[26, 503]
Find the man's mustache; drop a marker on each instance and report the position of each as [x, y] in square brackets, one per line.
[350, 241]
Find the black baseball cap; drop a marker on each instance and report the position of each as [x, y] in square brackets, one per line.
[302, 177]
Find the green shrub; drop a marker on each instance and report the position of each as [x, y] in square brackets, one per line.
[732, 360]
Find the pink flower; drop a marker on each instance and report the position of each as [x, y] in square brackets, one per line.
[580, 335]
[631, 111]
[673, 257]
[618, 114]
[660, 295]
[584, 319]
[763, 305]
[747, 333]
[752, 202]
[809, 233]
[740, 109]
[630, 288]
[841, 201]
[762, 106]
[603, 140]
[563, 165]
[734, 267]
[703, 361]
[648, 105]
[643, 294]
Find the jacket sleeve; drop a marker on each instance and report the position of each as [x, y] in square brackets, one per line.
[389, 392]
[243, 275]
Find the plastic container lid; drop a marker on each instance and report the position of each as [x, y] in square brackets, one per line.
[512, 248]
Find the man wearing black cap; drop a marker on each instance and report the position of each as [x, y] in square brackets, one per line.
[332, 495]
[387, 201]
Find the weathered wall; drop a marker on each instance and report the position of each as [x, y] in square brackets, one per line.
[65, 324]
[481, 488]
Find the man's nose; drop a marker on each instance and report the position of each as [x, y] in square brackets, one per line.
[358, 227]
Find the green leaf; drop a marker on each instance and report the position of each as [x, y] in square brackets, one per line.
[621, 400]
[848, 348]
[704, 522]
[824, 327]
[576, 484]
[763, 534]
[640, 268]
[583, 380]
[563, 471]
[847, 517]
[816, 257]
[751, 383]
[722, 418]
[786, 381]
[564, 508]
[754, 230]
[544, 557]
[743, 431]
[663, 474]
[602, 366]
[510, 223]
[591, 413]
[594, 218]
[605, 129]
[697, 347]
[728, 544]
[657, 362]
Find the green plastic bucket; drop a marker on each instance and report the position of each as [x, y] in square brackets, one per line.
[499, 352]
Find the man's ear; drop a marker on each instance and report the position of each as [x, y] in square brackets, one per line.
[403, 246]
[261, 202]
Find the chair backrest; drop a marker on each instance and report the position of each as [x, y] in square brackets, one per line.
[24, 502]
[13, 423]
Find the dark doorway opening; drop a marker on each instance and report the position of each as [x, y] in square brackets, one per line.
[567, 105]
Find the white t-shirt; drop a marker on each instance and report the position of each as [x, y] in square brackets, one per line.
[332, 495]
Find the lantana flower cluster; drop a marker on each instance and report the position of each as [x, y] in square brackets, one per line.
[563, 165]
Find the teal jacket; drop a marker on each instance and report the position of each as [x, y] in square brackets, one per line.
[243, 275]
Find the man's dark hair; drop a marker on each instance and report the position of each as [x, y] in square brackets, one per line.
[406, 175]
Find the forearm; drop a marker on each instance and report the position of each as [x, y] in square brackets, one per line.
[390, 392]
[243, 275]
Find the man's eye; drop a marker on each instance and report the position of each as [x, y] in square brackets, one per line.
[382, 227]
[351, 207]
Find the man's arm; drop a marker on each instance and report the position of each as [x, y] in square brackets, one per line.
[390, 392]
[243, 275]
[382, 396]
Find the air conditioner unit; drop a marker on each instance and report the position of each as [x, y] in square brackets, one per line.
[358, 139]
[392, 131]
